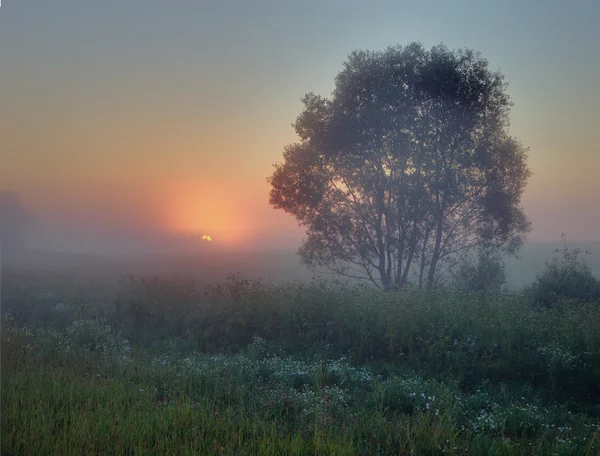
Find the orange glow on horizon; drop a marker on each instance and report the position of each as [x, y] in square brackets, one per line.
[205, 207]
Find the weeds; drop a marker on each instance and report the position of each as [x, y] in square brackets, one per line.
[242, 368]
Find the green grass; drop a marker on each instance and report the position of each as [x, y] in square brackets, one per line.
[243, 368]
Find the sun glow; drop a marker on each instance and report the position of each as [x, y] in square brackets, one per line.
[200, 208]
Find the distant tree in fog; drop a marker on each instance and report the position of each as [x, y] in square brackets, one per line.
[408, 164]
[14, 221]
[483, 273]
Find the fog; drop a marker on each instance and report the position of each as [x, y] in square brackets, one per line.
[169, 169]
[32, 242]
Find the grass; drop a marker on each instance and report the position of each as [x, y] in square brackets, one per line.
[238, 367]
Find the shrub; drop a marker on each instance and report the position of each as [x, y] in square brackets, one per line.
[566, 278]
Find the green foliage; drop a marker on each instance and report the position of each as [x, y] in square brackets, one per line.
[565, 278]
[313, 368]
[408, 162]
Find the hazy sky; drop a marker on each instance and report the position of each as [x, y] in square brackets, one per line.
[149, 116]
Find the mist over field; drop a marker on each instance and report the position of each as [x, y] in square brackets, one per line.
[31, 242]
[238, 228]
[210, 262]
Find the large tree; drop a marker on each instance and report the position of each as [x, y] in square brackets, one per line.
[406, 166]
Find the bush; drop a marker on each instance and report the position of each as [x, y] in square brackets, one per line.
[567, 278]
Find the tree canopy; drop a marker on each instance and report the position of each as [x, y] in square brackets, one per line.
[408, 164]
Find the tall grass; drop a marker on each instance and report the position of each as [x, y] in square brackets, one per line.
[168, 366]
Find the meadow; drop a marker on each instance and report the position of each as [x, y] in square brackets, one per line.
[166, 365]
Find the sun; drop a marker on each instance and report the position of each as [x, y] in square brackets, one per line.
[189, 210]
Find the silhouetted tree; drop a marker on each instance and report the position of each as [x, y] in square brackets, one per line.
[14, 221]
[408, 163]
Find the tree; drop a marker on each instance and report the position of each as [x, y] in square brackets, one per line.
[407, 164]
[483, 274]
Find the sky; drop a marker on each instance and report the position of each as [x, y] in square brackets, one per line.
[148, 119]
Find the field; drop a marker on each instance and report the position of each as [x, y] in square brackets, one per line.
[169, 366]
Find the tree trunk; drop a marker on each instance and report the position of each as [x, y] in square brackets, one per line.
[411, 252]
[423, 251]
[434, 258]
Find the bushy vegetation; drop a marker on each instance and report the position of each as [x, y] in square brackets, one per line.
[565, 278]
[168, 366]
